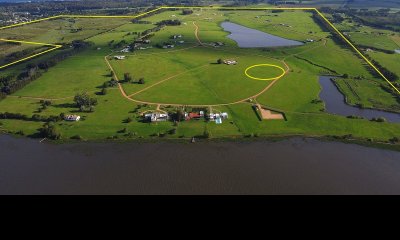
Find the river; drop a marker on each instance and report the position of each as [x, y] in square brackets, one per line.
[293, 166]
[335, 103]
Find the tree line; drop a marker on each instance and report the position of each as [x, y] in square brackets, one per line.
[34, 117]
[391, 76]
[170, 22]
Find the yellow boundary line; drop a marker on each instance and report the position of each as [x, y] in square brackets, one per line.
[181, 7]
[268, 65]
[54, 47]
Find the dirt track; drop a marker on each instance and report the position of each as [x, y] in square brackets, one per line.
[196, 33]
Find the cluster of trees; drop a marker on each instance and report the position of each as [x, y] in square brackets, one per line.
[337, 18]
[43, 105]
[154, 29]
[129, 79]
[147, 34]
[138, 21]
[178, 116]
[18, 55]
[11, 83]
[391, 76]
[34, 117]
[173, 22]
[379, 119]
[119, 44]
[187, 12]
[382, 18]
[84, 102]
[50, 130]
[326, 27]
[111, 83]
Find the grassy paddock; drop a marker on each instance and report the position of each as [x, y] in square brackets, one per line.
[189, 74]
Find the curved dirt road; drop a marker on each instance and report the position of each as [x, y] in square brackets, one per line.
[123, 93]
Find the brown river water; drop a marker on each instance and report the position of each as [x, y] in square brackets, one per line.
[293, 166]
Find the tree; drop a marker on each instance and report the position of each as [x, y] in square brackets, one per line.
[104, 91]
[394, 140]
[127, 77]
[49, 130]
[219, 61]
[179, 115]
[186, 12]
[83, 101]
[141, 81]
[174, 22]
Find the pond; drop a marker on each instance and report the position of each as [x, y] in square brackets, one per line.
[335, 103]
[250, 38]
[292, 166]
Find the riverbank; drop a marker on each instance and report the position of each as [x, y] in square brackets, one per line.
[348, 139]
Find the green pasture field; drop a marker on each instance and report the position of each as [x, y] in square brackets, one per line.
[369, 36]
[188, 74]
[390, 61]
[376, 40]
[6, 49]
[62, 30]
[363, 94]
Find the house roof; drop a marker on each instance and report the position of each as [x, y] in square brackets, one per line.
[194, 115]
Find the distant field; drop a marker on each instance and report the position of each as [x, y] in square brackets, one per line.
[62, 30]
[8, 50]
[376, 43]
[188, 74]
[376, 40]
[354, 3]
[390, 61]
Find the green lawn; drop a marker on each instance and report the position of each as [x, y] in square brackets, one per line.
[390, 61]
[189, 74]
[62, 30]
[376, 40]
[83, 72]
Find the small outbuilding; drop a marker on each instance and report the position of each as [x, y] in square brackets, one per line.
[72, 118]
[230, 62]
[156, 117]
[168, 46]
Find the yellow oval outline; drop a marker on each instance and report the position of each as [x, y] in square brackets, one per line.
[265, 79]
